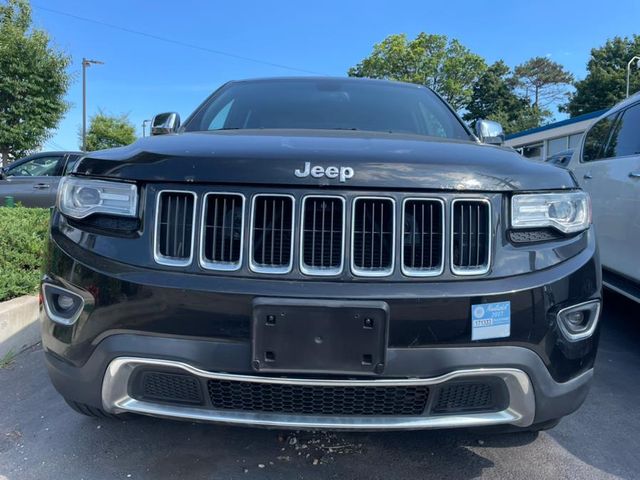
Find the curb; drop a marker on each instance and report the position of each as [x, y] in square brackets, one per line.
[19, 327]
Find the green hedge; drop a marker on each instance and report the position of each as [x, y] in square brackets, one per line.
[23, 234]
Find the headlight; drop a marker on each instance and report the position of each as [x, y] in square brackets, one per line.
[568, 212]
[80, 197]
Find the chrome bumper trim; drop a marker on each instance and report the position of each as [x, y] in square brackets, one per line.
[116, 399]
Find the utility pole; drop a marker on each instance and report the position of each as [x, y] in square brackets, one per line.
[634, 59]
[86, 63]
[144, 127]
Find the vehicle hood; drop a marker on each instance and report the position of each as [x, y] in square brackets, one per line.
[378, 160]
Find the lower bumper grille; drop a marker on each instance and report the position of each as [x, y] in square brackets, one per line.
[318, 400]
[170, 387]
[465, 397]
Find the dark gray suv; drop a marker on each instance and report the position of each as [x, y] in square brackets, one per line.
[33, 180]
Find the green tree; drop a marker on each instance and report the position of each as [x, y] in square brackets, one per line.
[108, 131]
[443, 64]
[493, 98]
[33, 82]
[543, 80]
[606, 80]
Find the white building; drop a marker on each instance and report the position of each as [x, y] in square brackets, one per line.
[542, 142]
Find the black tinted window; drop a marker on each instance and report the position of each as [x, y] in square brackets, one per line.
[596, 140]
[328, 104]
[625, 139]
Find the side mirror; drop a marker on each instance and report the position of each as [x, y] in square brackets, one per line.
[490, 132]
[165, 123]
[3, 173]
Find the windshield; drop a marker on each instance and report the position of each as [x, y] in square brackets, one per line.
[328, 104]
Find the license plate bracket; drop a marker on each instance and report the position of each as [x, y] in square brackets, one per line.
[319, 336]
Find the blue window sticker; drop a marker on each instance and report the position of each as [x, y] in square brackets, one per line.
[490, 320]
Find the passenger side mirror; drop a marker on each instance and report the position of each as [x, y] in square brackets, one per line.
[490, 132]
[165, 123]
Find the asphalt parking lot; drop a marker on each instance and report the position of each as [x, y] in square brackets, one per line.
[41, 438]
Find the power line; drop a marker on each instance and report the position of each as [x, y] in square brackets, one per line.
[53, 144]
[175, 42]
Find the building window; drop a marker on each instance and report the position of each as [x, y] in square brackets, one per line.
[534, 152]
[557, 145]
[574, 140]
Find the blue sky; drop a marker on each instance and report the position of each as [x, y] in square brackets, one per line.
[143, 75]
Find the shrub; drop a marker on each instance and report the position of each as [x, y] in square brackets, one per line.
[23, 234]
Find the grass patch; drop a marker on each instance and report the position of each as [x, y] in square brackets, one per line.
[23, 235]
[7, 360]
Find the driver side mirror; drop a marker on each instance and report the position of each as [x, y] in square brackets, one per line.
[165, 123]
[490, 132]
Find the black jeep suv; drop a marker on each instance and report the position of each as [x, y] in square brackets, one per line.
[322, 253]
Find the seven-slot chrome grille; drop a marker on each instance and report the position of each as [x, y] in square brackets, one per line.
[326, 233]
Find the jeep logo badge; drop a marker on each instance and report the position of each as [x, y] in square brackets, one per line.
[317, 171]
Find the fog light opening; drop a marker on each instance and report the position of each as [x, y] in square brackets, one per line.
[576, 320]
[579, 321]
[61, 305]
[65, 302]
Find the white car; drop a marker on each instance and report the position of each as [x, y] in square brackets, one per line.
[607, 165]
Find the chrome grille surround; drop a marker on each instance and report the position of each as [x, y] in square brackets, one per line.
[363, 272]
[216, 265]
[255, 267]
[467, 271]
[173, 261]
[422, 272]
[349, 269]
[320, 271]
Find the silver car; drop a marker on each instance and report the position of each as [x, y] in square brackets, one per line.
[607, 165]
[33, 180]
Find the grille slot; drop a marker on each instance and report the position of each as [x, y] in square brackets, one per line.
[317, 400]
[373, 236]
[171, 387]
[423, 237]
[222, 231]
[471, 240]
[464, 397]
[272, 234]
[322, 235]
[175, 227]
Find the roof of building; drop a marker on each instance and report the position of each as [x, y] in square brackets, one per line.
[568, 121]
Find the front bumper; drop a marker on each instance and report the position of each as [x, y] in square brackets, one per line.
[533, 395]
[135, 318]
